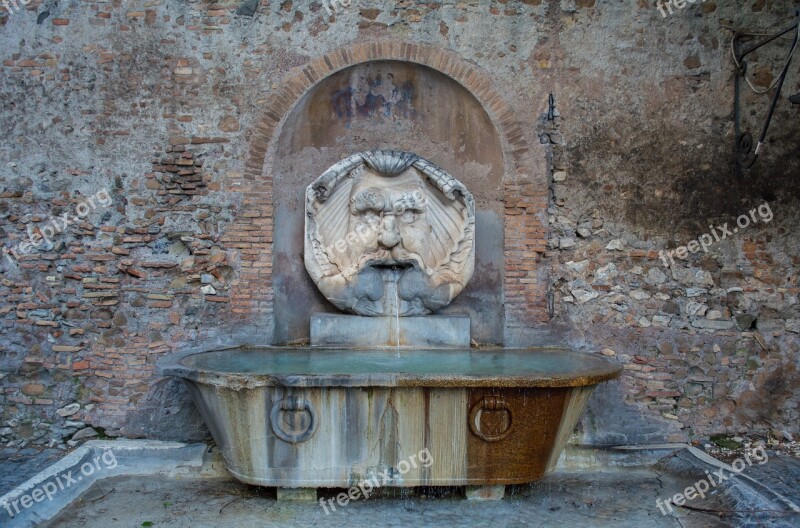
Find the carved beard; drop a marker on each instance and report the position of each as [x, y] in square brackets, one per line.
[397, 280]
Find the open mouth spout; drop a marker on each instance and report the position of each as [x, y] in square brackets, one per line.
[396, 261]
[394, 265]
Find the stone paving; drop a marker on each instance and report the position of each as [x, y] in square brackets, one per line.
[620, 500]
[610, 496]
[619, 497]
[781, 474]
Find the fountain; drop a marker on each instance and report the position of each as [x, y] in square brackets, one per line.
[390, 240]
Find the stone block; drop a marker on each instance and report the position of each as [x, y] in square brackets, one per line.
[417, 332]
[297, 494]
[478, 493]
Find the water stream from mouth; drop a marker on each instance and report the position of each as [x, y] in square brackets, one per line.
[397, 311]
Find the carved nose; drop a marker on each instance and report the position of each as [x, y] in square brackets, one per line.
[389, 236]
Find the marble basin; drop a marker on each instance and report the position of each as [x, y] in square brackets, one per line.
[311, 417]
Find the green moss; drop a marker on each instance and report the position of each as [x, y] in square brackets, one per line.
[101, 434]
[81, 392]
[725, 441]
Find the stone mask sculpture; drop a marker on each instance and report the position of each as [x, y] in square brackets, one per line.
[389, 233]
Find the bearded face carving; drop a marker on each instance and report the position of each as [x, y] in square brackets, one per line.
[389, 233]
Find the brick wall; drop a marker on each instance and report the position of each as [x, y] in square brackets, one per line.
[174, 107]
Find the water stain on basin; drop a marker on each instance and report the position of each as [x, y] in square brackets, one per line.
[323, 417]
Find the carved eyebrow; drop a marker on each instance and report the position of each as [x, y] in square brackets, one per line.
[367, 200]
[410, 201]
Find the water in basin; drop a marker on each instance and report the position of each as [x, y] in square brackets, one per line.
[552, 367]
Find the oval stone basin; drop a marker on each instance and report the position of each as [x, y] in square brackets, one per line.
[328, 417]
[477, 367]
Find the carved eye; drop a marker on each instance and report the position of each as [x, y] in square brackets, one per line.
[371, 217]
[408, 216]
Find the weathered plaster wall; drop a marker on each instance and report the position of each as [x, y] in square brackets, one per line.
[175, 107]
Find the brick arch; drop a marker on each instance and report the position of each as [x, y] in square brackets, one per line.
[252, 232]
[302, 79]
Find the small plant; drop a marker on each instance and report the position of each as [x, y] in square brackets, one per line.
[725, 441]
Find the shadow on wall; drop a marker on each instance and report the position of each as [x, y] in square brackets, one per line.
[631, 426]
[166, 413]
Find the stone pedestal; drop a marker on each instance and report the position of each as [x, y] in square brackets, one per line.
[432, 331]
[480, 493]
[297, 494]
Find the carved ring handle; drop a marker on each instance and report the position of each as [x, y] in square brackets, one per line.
[489, 403]
[293, 404]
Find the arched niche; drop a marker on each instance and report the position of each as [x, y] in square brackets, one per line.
[397, 105]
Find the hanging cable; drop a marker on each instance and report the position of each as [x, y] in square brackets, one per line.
[743, 70]
[747, 149]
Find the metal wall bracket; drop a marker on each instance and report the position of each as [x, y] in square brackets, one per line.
[746, 154]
